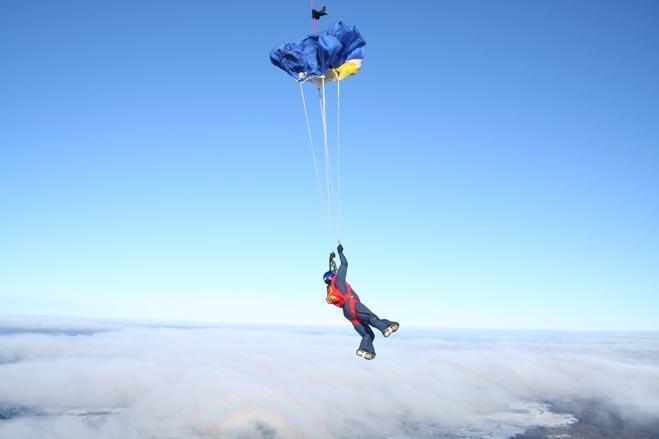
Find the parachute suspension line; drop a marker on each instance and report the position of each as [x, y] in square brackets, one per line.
[313, 152]
[328, 165]
[338, 158]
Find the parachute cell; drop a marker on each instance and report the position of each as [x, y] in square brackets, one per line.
[298, 58]
[352, 43]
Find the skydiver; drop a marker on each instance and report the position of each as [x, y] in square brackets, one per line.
[341, 294]
[315, 15]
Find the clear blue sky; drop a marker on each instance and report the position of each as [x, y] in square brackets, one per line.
[500, 163]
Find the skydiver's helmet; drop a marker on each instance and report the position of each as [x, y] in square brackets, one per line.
[327, 277]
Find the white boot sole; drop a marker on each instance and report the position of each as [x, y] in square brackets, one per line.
[391, 329]
[365, 354]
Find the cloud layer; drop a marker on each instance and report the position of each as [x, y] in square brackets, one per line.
[159, 382]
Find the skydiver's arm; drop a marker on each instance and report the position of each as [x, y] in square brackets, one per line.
[343, 269]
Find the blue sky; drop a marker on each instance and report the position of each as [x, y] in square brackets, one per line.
[500, 163]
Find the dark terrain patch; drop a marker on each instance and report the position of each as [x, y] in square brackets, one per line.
[595, 420]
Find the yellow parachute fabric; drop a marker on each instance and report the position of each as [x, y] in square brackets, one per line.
[348, 68]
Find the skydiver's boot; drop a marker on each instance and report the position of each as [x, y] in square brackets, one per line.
[366, 355]
[393, 327]
[366, 349]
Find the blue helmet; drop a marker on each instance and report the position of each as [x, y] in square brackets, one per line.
[327, 277]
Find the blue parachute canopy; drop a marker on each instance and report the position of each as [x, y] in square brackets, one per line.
[352, 43]
[312, 55]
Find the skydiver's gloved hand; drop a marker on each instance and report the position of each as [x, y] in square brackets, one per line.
[332, 255]
[339, 248]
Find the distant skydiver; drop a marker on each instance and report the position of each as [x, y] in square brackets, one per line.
[341, 294]
[315, 14]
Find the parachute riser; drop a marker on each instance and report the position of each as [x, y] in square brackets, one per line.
[332, 262]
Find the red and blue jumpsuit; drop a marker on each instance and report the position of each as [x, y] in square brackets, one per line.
[341, 294]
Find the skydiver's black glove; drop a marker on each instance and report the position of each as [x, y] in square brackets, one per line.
[339, 248]
[332, 255]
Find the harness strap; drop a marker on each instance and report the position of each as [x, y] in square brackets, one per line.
[352, 300]
[351, 304]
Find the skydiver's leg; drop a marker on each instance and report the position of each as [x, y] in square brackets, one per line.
[367, 316]
[369, 331]
[366, 345]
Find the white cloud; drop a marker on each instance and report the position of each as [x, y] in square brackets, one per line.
[159, 382]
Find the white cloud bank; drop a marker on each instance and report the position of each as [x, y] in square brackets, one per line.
[159, 383]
